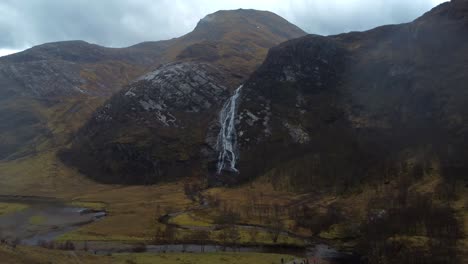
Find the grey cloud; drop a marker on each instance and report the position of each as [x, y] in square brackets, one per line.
[118, 23]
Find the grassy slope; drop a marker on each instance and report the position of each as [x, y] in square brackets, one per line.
[132, 212]
[6, 208]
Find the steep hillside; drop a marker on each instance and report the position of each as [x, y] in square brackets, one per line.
[49, 91]
[356, 104]
[376, 121]
[157, 127]
[236, 40]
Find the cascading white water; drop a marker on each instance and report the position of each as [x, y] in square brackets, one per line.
[227, 138]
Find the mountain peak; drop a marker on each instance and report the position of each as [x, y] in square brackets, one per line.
[214, 26]
[455, 9]
[72, 50]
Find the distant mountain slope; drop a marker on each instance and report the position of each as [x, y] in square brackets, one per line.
[336, 111]
[56, 86]
[49, 91]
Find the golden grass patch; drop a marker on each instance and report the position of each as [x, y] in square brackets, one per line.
[6, 208]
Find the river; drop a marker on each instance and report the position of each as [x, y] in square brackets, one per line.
[45, 219]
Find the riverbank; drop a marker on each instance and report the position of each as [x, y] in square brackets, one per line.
[36, 255]
[54, 223]
[41, 219]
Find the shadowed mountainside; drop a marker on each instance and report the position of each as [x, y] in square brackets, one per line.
[373, 114]
[340, 109]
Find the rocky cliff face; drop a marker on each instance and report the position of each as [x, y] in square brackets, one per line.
[154, 129]
[164, 124]
[70, 68]
[334, 110]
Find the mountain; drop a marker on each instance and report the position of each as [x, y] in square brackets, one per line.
[157, 126]
[357, 140]
[49, 91]
[339, 110]
[373, 126]
[335, 110]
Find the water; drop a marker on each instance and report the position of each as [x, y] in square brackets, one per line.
[226, 144]
[322, 252]
[53, 219]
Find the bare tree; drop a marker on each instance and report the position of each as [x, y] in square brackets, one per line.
[253, 234]
[276, 227]
[158, 235]
[233, 234]
[170, 234]
[201, 236]
[229, 235]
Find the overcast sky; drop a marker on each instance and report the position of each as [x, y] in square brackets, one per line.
[118, 23]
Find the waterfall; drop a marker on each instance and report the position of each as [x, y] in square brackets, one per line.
[227, 138]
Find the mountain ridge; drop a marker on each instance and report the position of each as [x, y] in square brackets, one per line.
[61, 84]
[395, 51]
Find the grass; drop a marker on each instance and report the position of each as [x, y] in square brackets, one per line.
[190, 220]
[412, 241]
[35, 255]
[37, 220]
[207, 258]
[43, 175]
[262, 238]
[132, 212]
[86, 236]
[340, 231]
[6, 208]
[90, 205]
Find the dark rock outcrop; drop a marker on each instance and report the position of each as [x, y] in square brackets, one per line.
[154, 129]
[333, 111]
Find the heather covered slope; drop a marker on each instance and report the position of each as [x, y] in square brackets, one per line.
[357, 104]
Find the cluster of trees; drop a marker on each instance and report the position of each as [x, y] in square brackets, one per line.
[167, 235]
[9, 242]
[67, 245]
[258, 208]
[395, 221]
[193, 190]
[270, 215]
[317, 219]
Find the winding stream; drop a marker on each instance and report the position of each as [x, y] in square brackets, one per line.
[45, 219]
[316, 249]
